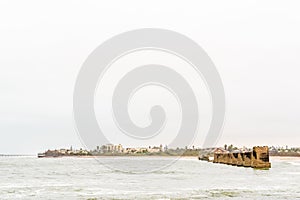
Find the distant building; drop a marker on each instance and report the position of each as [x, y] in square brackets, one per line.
[154, 149]
[111, 148]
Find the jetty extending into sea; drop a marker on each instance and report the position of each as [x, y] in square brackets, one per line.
[257, 158]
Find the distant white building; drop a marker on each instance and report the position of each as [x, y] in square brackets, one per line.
[154, 149]
[111, 148]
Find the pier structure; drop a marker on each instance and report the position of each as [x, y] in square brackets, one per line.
[257, 158]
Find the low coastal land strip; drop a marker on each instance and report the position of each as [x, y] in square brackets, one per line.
[201, 153]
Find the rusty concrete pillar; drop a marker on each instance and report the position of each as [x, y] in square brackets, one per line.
[215, 158]
[239, 162]
[260, 157]
[233, 158]
[247, 156]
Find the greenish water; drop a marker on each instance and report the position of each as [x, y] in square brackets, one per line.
[188, 178]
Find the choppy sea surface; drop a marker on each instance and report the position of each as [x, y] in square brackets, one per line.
[188, 178]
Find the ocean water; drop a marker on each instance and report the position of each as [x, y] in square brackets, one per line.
[188, 178]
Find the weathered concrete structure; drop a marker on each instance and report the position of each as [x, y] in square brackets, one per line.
[257, 158]
[260, 157]
[239, 162]
[247, 158]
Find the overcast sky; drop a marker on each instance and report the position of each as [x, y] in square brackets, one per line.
[255, 46]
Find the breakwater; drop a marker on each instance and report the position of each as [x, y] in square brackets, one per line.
[257, 158]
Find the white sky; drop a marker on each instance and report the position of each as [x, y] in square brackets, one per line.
[255, 45]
